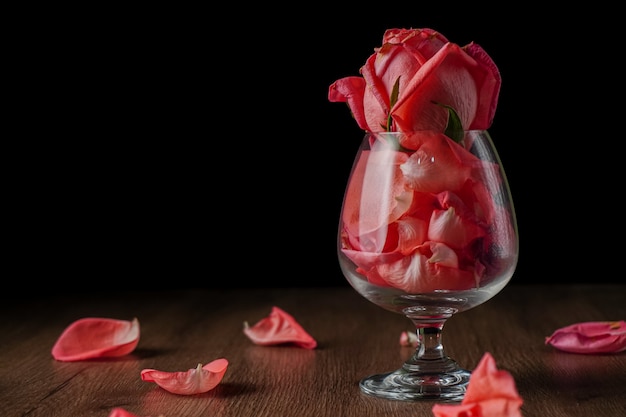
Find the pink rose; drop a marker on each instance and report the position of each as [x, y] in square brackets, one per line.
[408, 82]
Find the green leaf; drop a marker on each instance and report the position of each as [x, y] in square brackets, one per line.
[395, 92]
[454, 128]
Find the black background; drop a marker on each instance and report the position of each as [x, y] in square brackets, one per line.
[189, 148]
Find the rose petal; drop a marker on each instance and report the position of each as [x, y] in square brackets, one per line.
[490, 393]
[120, 412]
[279, 327]
[488, 383]
[459, 410]
[194, 381]
[590, 337]
[91, 337]
[408, 339]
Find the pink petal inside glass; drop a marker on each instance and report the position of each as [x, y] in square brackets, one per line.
[490, 393]
[194, 381]
[91, 337]
[590, 337]
[278, 328]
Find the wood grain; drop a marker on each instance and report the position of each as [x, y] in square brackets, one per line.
[180, 329]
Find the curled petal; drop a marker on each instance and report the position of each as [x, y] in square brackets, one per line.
[490, 87]
[350, 90]
[433, 266]
[92, 337]
[412, 232]
[437, 164]
[194, 381]
[454, 224]
[277, 328]
[490, 393]
[487, 382]
[447, 226]
[590, 337]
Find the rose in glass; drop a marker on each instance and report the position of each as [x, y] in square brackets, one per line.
[421, 214]
[409, 83]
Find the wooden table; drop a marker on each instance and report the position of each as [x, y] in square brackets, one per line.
[182, 328]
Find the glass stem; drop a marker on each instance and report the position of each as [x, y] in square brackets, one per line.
[430, 346]
[430, 356]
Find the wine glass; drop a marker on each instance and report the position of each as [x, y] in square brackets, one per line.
[427, 230]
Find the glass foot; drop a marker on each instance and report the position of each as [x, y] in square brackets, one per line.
[412, 386]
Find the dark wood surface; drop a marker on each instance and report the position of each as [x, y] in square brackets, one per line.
[182, 328]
